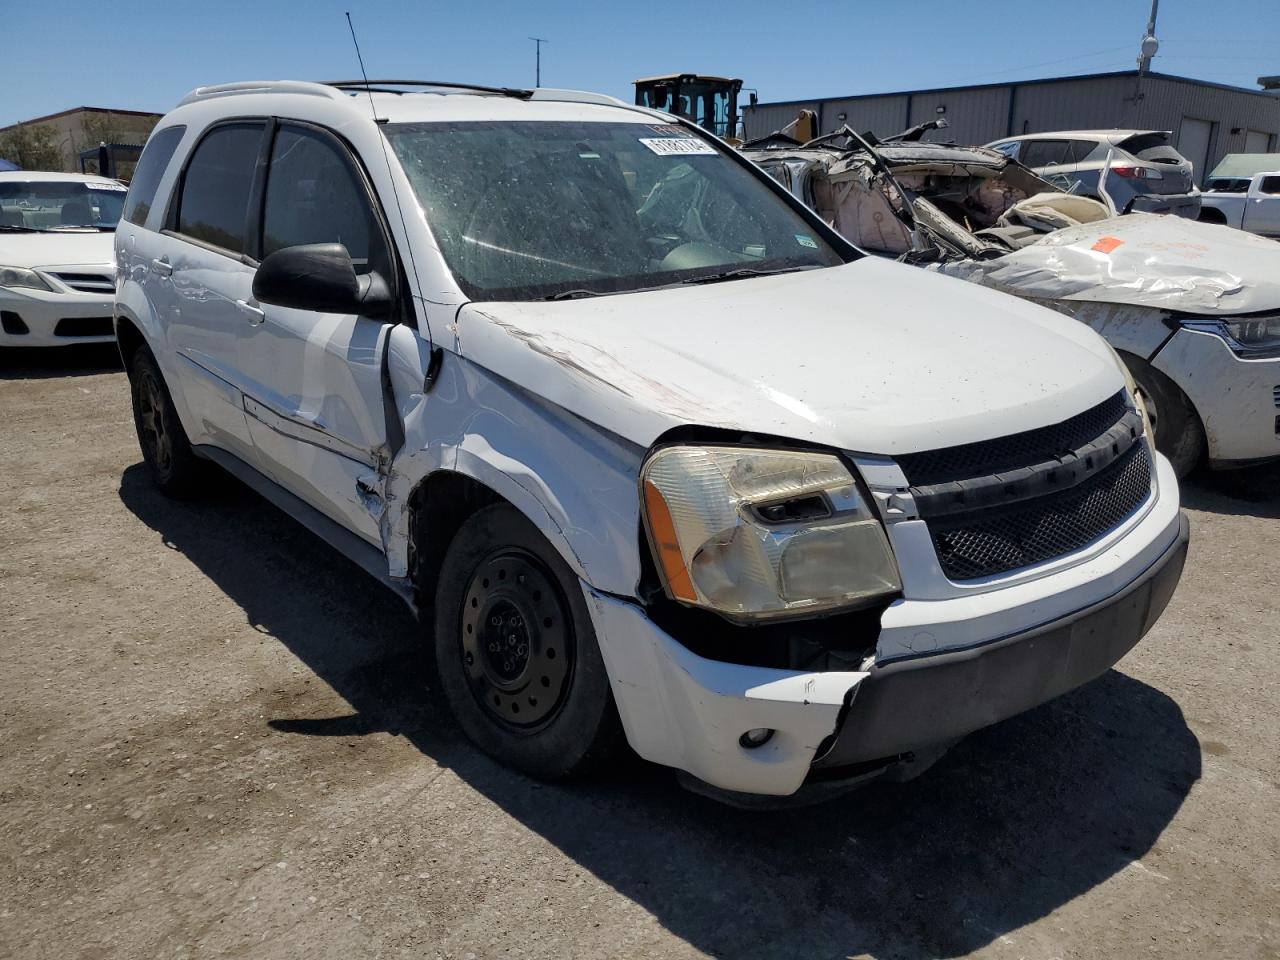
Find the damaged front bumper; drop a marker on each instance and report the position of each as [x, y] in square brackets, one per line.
[835, 729]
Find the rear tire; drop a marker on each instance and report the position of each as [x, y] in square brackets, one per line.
[1179, 435]
[515, 651]
[175, 469]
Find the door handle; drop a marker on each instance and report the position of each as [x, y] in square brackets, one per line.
[256, 315]
[162, 267]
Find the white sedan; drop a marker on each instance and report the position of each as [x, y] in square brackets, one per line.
[57, 266]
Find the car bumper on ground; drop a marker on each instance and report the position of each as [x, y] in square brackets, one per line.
[34, 318]
[689, 712]
[1178, 204]
[1238, 399]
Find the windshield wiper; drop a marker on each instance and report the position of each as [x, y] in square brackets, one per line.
[742, 273]
[571, 295]
[14, 228]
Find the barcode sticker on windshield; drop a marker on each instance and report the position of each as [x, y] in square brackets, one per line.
[678, 146]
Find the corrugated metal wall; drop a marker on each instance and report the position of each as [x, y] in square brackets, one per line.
[987, 113]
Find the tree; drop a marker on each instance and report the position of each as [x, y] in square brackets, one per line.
[31, 148]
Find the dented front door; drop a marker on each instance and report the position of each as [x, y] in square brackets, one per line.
[314, 405]
[313, 381]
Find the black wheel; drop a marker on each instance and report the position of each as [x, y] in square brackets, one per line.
[1179, 435]
[515, 651]
[174, 468]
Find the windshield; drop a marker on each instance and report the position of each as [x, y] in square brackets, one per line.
[531, 210]
[49, 205]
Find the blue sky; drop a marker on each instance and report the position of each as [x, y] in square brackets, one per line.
[145, 55]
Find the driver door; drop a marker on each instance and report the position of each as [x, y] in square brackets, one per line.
[313, 384]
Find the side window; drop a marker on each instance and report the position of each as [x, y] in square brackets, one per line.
[1270, 185]
[216, 187]
[1078, 150]
[1043, 153]
[146, 175]
[314, 195]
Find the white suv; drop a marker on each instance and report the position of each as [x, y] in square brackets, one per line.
[658, 452]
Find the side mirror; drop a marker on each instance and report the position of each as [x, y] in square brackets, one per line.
[320, 277]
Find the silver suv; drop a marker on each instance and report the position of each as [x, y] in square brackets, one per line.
[1137, 169]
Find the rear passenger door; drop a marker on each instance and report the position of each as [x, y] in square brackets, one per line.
[205, 275]
[1055, 160]
[313, 382]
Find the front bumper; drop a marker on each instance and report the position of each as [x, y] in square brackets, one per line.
[54, 319]
[689, 712]
[1238, 399]
[906, 705]
[1177, 204]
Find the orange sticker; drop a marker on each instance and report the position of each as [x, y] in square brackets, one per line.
[1107, 244]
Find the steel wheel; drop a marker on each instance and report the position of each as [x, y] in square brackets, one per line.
[517, 641]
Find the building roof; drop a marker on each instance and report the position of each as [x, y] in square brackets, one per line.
[65, 113]
[1026, 83]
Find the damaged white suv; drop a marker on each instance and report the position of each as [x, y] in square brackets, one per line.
[661, 455]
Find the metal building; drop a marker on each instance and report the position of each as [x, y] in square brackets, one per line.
[1208, 120]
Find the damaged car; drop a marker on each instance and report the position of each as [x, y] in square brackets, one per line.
[1193, 309]
[658, 457]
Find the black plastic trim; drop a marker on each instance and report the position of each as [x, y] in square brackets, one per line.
[911, 703]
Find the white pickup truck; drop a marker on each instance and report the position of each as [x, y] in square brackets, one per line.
[1243, 191]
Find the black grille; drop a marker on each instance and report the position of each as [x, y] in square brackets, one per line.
[988, 542]
[83, 327]
[988, 457]
[88, 282]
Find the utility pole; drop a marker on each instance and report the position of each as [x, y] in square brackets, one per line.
[1149, 42]
[537, 45]
[1146, 51]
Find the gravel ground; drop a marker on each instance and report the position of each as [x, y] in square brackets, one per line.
[219, 741]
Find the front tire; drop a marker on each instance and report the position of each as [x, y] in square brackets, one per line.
[175, 469]
[516, 653]
[1179, 435]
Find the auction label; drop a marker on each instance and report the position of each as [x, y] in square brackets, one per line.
[678, 146]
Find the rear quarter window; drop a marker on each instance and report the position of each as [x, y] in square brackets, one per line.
[1270, 185]
[149, 172]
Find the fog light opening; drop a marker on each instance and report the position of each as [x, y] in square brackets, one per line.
[756, 737]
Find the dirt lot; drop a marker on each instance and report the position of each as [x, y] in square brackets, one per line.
[218, 741]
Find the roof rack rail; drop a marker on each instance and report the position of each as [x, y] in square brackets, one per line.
[381, 86]
[582, 96]
[258, 86]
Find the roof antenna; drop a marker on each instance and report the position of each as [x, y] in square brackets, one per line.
[433, 364]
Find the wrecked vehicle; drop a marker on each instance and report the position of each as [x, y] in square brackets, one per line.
[1193, 309]
[1138, 171]
[655, 453]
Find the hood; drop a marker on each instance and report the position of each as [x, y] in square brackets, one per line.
[872, 356]
[56, 249]
[1142, 260]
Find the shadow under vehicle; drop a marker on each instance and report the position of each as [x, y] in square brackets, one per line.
[1015, 822]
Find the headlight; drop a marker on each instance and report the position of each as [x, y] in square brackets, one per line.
[22, 277]
[1251, 337]
[763, 533]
